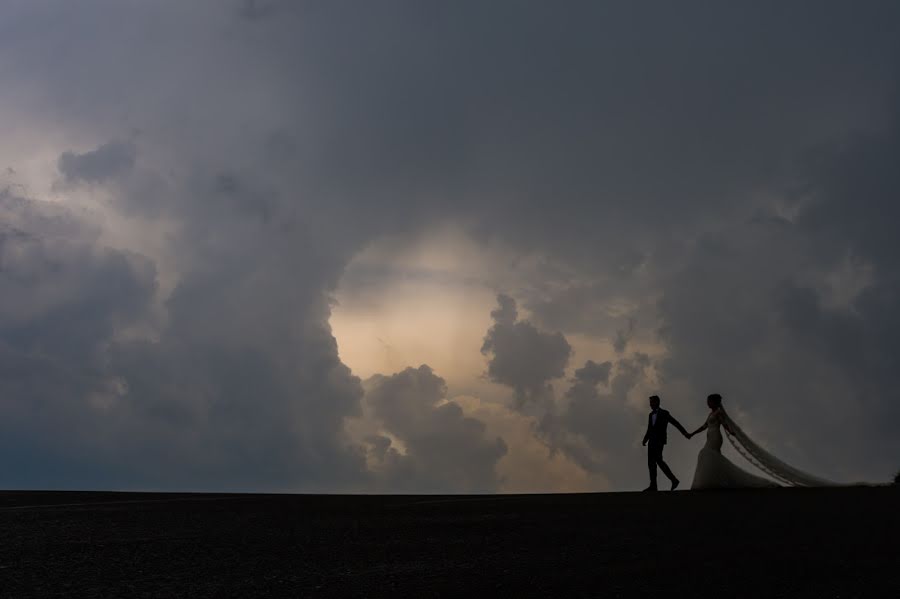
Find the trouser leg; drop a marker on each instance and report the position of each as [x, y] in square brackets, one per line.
[665, 468]
[654, 454]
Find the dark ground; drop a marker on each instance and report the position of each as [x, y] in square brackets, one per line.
[763, 543]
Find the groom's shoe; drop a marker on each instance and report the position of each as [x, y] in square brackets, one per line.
[650, 488]
[675, 484]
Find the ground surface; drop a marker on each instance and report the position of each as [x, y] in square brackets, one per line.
[765, 543]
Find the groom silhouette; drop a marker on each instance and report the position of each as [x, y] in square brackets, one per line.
[657, 422]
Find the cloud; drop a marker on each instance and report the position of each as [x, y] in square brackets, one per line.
[443, 450]
[623, 337]
[95, 166]
[595, 430]
[596, 424]
[229, 381]
[521, 356]
[765, 337]
[258, 9]
[63, 298]
[592, 374]
[721, 175]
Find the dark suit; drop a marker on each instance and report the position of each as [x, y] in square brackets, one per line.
[656, 438]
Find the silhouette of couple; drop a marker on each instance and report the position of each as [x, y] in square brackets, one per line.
[714, 471]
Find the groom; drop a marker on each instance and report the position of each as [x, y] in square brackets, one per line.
[657, 422]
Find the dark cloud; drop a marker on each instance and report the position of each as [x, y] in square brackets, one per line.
[623, 336]
[95, 166]
[445, 451]
[574, 308]
[784, 331]
[226, 397]
[257, 9]
[722, 174]
[63, 298]
[521, 356]
[63, 295]
[506, 313]
[592, 374]
[596, 427]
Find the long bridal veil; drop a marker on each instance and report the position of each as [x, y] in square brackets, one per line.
[768, 463]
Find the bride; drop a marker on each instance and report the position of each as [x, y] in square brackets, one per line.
[715, 471]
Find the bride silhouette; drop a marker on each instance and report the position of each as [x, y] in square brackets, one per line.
[714, 470]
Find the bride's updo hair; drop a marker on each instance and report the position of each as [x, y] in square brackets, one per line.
[714, 401]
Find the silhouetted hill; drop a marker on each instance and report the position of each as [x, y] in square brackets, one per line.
[761, 543]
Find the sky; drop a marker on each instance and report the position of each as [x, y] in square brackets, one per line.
[416, 246]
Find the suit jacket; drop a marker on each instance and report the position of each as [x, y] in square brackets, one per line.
[656, 433]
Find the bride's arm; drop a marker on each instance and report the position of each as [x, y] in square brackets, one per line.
[699, 430]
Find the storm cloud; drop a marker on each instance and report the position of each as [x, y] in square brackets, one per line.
[521, 356]
[679, 199]
[443, 450]
[94, 166]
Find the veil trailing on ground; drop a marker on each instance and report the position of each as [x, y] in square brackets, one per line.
[768, 463]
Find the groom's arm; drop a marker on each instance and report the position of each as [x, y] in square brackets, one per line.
[677, 425]
[647, 434]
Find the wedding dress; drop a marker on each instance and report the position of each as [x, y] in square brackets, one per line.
[714, 470]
